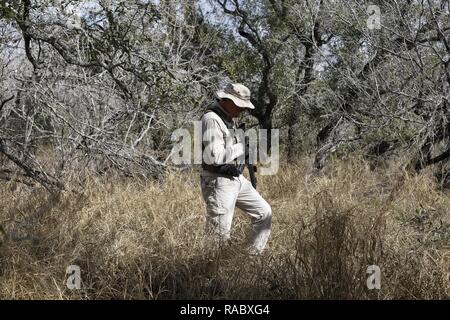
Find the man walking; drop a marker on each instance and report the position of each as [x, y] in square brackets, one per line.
[223, 185]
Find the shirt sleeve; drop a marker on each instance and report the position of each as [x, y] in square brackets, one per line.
[216, 151]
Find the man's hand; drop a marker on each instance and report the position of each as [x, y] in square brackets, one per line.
[232, 170]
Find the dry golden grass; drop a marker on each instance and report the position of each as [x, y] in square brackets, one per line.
[136, 240]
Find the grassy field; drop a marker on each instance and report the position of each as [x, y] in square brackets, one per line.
[144, 240]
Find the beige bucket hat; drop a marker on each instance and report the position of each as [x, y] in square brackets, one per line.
[237, 92]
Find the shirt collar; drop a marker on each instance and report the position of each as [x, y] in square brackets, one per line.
[229, 118]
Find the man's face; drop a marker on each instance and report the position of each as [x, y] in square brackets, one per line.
[231, 108]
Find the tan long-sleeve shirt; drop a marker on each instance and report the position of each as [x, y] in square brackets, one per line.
[221, 145]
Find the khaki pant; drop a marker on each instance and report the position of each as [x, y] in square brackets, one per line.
[222, 194]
